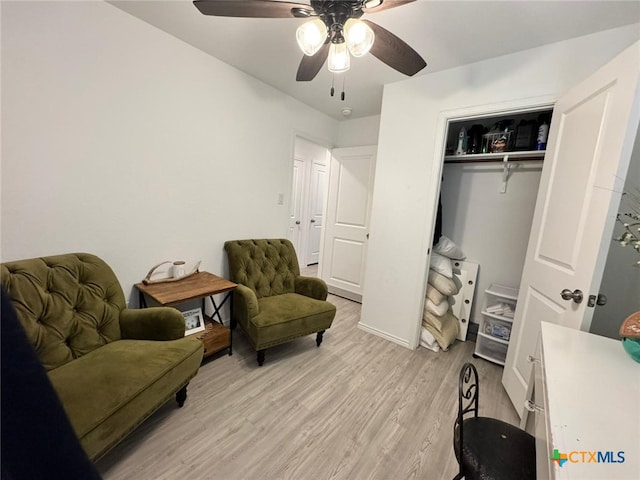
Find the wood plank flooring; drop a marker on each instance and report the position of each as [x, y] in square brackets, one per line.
[358, 407]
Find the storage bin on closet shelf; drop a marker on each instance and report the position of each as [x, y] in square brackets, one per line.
[497, 319]
[504, 138]
[447, 298]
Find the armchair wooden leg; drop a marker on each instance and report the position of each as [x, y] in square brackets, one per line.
[319, 337]
[260, 357]
[181, 396]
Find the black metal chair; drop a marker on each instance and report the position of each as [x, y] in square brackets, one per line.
[486, 448]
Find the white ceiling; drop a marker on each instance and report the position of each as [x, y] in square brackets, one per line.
[445, 33]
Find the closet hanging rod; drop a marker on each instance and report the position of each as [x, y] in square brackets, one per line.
[534, 155]
[495, 160]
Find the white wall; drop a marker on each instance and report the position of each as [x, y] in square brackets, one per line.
[492, 228]
[120, 140]
[621, 280]
[358, 132]
[409, 163]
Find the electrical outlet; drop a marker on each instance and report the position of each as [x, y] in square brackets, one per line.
[281, 199]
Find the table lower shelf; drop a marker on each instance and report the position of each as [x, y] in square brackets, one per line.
[215, 338]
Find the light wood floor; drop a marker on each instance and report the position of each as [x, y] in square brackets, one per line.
[358, 407]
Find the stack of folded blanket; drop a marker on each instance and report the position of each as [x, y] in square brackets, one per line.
[439, 325]
[501, 308]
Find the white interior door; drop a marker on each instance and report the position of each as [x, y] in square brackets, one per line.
[295, 204]
[317, 191]
[592, 133]
[308, 191]
[346, 230]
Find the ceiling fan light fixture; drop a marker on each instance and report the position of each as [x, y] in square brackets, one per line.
[339, 60]
[359, 37]
[311, 36]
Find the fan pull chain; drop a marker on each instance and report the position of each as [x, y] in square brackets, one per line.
[333, 90]
[342, 95]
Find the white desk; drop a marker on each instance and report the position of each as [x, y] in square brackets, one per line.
[591, 391]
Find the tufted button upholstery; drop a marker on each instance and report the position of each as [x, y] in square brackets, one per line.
[268, 267]
[272, 303]
[69, 305]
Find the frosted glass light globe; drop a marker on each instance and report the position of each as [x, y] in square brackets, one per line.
[359, 37]
[311, 36]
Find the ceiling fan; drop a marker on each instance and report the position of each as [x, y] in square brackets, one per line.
[333, 31]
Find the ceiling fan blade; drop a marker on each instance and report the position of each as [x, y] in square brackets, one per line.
[395, 52]
[386, 5]
[310, 66]
[252, 8]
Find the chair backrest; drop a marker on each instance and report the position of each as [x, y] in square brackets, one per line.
[468, 393]
[268, 266]
[69, 305]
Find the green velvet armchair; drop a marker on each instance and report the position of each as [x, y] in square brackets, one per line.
[111, 367]
[273, 303]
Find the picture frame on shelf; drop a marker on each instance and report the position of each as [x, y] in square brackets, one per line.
[193, 321]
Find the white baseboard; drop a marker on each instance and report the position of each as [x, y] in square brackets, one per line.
[384, 335]
[340, 292]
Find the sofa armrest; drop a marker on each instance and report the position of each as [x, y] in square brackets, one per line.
[245, 304]
[155, 323]
[312, 287]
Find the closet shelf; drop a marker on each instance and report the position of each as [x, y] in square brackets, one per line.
[493, 339]
[508, 293]
[496, 157]
[502, 318]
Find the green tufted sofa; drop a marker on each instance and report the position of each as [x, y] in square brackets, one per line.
[273, 303]
[110, 366]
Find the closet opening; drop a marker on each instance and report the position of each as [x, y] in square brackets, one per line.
[491, 172]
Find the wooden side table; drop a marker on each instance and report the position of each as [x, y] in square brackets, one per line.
[216, 336]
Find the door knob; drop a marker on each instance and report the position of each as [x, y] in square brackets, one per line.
[297, 222]
[576, 295]
[313, 220]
